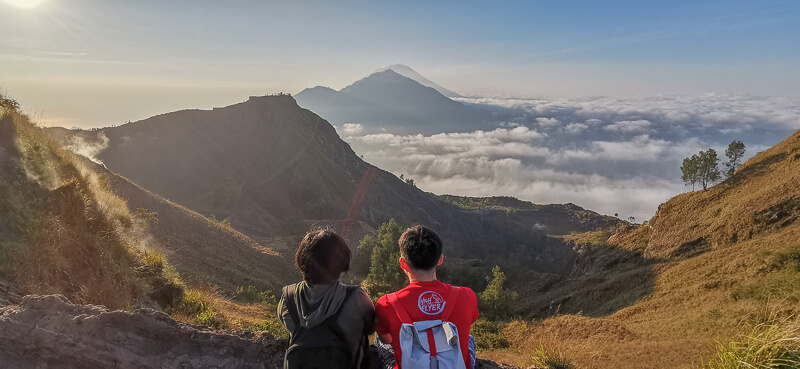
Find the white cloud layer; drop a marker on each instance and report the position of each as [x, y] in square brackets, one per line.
[608, 155]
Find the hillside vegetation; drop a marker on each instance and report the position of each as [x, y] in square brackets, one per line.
[553, 219]
[63, 231]
[713, 278]
[69, 226]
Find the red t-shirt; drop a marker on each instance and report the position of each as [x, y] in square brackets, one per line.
[423, 301]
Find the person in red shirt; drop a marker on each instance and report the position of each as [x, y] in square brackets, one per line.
[425, 296]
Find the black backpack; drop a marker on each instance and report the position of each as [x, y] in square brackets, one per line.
[325, 345]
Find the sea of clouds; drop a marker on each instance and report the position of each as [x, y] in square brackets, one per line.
[610, 155]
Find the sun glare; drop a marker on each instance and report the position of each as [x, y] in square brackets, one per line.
[24, 3]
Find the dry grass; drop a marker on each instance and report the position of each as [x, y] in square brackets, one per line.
[72, 235]
[772, 342]
[760, 198]
[692, 304]
[716, 258]
[206, 306]
[592, 343]
[586, 239]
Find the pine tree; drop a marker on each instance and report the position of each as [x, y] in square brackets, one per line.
[735, 153]
[385, 266]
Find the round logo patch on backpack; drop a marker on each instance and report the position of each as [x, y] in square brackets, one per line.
[431, 303]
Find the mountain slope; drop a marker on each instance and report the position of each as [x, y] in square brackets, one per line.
[708, 244]
[60, 231]
[203, 251]
[389, 88]
[274, 170]
[705, 264]
[729, 246]
[340, 108]
[388, 101]
[553, 219]
[70, 226]
[406, 71]
[762, 197]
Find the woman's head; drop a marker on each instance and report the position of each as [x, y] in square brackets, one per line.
[322, 256]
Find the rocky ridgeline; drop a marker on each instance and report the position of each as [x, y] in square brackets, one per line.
[50, 332]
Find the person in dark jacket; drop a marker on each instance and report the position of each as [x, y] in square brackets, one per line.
[328, 320]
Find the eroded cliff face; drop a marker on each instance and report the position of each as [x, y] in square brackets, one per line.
[51, 332]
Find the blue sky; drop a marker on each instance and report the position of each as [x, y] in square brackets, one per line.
[95, 63]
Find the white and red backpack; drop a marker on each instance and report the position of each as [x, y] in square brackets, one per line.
[429, 344]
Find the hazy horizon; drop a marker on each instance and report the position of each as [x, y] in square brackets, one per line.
[612, 96]
[90, 63]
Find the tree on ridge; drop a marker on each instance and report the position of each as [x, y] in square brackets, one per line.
[735, 153]
[701, 168]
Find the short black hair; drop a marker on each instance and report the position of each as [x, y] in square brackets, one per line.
[322, 256]
[420, 247]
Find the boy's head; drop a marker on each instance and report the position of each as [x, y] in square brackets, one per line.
[421, 248]
[322, 257]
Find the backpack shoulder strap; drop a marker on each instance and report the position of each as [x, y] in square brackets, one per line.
[288, 299]
[451, 302]
[350, 289]
[401, 312]
[331, 321]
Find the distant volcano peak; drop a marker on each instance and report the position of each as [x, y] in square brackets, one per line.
[408, 72]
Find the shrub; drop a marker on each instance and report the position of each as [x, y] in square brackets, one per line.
[375, 290]
[488, 335]
[143, 214]
[199, 307]
[211, 319]
[8, 105]
[273, 325]
[214, 222]
[548, 358]
[496, 301]
[252, 295]
[772, 343]
[154, 259]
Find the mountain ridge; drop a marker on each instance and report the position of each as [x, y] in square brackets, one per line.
[387, 101]
[409, 72]
[274, 170]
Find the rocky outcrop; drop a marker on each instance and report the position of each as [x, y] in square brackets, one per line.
[8, 294]
[51, 332]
